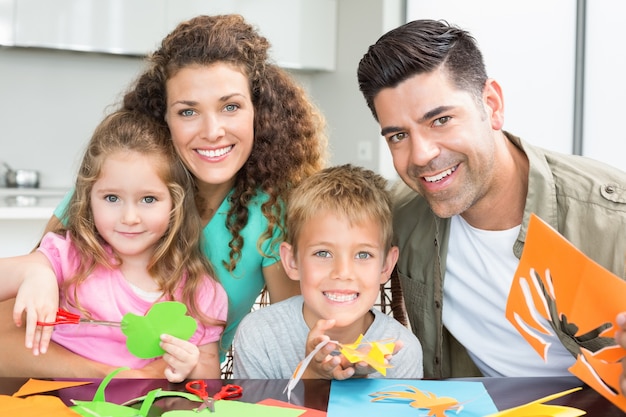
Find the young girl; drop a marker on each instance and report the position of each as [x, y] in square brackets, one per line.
[132, 239]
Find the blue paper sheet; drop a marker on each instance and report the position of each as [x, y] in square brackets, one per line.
[352, 398]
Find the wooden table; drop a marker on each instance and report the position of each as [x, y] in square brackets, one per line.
[505, 392]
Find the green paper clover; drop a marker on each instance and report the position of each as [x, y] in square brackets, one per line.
[143, 333]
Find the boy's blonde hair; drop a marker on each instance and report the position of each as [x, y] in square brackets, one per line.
[355, 193]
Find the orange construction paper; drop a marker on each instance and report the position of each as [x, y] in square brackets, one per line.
[37, 386]
[585, 295]
[309, 412]
[537, 409]
[35, 406]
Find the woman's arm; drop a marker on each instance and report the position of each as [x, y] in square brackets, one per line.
[279, 285]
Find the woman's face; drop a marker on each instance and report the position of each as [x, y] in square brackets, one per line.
[210, 115]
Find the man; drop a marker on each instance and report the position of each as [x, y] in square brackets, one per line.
[471, 190]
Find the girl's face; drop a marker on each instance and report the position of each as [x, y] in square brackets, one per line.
[131, 205]
[211, 119]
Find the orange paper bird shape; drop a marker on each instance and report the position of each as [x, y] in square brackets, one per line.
[436, 406]
[538, 409]
[556, 281]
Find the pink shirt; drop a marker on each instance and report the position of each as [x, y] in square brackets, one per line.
[108, 296]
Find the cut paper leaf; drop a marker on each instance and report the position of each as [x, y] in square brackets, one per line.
[144, 332]
[35, 405]
[308, 412]
[538, 409]
[556, 282]
[37, 386]
[374, 357]
[371, 397]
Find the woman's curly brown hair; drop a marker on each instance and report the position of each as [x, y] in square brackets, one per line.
[289, 131]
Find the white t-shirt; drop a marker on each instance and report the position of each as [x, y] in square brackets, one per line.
[479, 271]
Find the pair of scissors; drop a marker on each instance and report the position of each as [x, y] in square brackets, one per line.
[228, 392]
[65, 317]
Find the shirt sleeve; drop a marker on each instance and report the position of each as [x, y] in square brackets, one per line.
[213, 301]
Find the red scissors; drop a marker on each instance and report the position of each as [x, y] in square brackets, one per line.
[228, 392]
[65, 317]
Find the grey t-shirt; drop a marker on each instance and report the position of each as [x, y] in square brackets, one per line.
[270, 342]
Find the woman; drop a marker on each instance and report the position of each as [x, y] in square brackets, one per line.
[248, 134]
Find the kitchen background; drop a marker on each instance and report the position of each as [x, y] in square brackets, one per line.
[64, 63]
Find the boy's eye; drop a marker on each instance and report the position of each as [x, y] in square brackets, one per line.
[149, 199]
[111, 198]
[363, 255]
[322, 254]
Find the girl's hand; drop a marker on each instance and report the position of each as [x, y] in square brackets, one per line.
[324, 365]
[38, 296]
[180, 356]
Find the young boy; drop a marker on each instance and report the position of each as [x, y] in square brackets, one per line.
[339, 232]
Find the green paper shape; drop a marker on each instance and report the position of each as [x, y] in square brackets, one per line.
[233, 408]
[143, 333]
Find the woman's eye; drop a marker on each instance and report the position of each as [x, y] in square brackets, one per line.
[363, 255]
[231, 107]
[441, 121]
[187, 112]
[322, 254]
[111, 198]
[149, 199]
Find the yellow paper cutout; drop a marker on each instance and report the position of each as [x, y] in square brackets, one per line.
[374, 358]
[436, 406]
[35, 405]
[37, 386]
[538, 409]
[583, 296]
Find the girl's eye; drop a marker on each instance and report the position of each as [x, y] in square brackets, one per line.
[111, 198]
[187, 112]
[231, 107]
[397, 137]
[149, 199]
[322, 254]
[442, 121]
[363, 255]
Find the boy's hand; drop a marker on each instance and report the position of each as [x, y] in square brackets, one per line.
[38, 296]
[180, 356]
[363, 369]
[324, 365]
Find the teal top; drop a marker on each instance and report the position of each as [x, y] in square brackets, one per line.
[245, 283]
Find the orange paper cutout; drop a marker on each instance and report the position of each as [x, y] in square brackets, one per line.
[36, 405]
[375, 357]
[37, 386]
[587, 298]
[436, 406]
[537, 409]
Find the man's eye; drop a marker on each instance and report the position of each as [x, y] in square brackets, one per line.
[441, 121]
[322, 254]
[111, 198]
[397, 137]
[363, 255]
[149, 199]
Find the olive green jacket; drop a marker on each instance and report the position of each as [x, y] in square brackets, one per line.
[581, 198]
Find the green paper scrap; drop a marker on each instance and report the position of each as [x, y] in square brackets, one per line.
[143, 333]
[232, 408]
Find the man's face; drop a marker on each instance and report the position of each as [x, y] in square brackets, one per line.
[441, 139]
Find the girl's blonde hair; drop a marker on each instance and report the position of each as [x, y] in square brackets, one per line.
[178, 252]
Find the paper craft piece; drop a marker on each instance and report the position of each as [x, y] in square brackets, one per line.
[538, 409]
[308, 412]
[144, 332]
[375, 357]
[37, 386]
[35, 405]
[233, 408]
[366, 397]
[556, 281]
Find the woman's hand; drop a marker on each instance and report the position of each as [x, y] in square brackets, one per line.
[620, 338]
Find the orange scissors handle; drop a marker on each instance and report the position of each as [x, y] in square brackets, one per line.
[65, 317]
[198, 387]
[229, 392]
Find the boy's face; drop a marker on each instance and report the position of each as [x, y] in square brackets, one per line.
[340, 267]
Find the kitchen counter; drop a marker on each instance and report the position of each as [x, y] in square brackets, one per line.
[29, 203]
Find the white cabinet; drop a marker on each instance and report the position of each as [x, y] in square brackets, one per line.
[302, 32]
